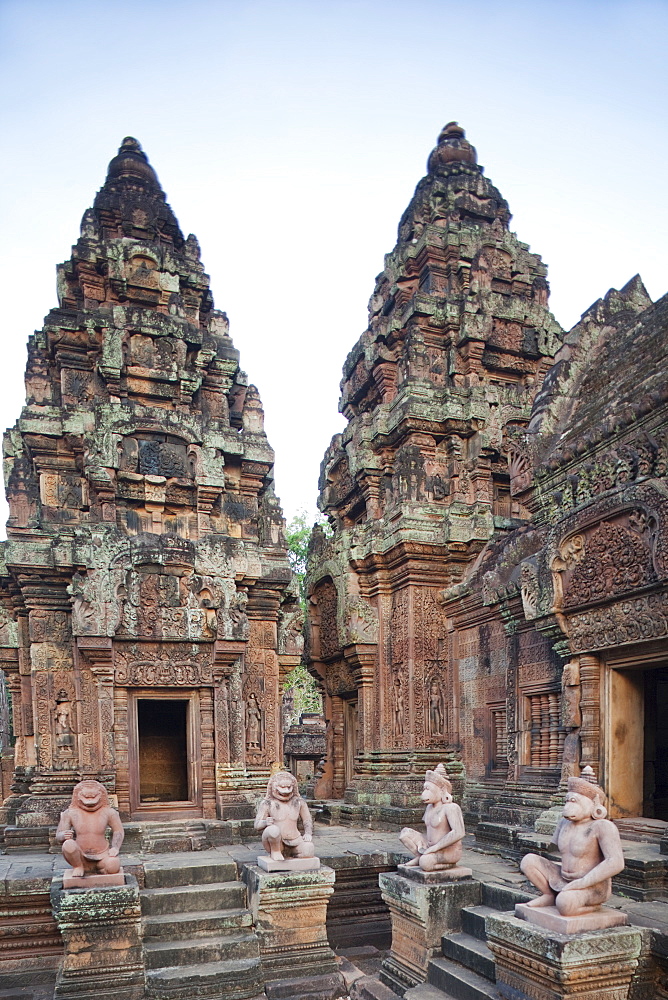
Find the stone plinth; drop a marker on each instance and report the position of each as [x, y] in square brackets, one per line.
[267, 864]
[550, 918]
[534, 963]
[423, 907]
[102, 933]
[92, 881]
[289, 911]
[454, 874]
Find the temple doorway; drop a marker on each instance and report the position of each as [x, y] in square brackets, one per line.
[655, 763]
[638, 742]
[350, 722]
[164, 763]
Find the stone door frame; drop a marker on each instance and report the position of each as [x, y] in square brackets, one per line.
[192, 807]
[624, 725]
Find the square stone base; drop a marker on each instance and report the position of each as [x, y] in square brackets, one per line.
[434, 878]
[422, 911]
[102, 938]
[535, 963]
[92, 881]
[549, 917]
[289, 910]
[288, 864]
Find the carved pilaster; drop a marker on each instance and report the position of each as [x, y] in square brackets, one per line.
[362, 662]
[590, 707]
[98, 654]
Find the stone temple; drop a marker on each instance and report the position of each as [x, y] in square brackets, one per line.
[493, 592]
[145, 574]
[486, 615]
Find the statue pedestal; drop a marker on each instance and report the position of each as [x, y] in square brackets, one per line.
[423, 906]
[289, 911]
[550, 918]
[92, 881]
[102, 932]
[267, 864]
[535, 963]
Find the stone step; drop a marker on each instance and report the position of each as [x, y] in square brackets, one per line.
[200, 951]
[458, 982]
[503, 897]
[202, 872]
[27, 993]
[499, 834]
[176, 926]
[189, 899]
[426, 992]
[473, 920]
[238, 979]
[470, 952]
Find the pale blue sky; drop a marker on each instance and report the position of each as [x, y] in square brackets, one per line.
[290, 136]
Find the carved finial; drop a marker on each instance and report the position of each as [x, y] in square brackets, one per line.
[130, 145]
[452, 130]
[453, 147]
[587, 773]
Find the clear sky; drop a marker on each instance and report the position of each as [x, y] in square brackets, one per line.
[289, 137]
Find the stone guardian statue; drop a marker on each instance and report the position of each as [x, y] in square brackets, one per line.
[440, 848]
[82, 833]
[591, 854]
[278, 816]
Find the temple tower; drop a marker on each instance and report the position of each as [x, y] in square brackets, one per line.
[459, 340]
[145, 567]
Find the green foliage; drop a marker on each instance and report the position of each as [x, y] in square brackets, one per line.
[302, 689]
[297, 538]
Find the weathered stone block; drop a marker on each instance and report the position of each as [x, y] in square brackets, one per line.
[534, 963]
[289, 911]
[422, 912]
[102, 932]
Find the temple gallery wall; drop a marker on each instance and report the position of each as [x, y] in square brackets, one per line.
[486, 618]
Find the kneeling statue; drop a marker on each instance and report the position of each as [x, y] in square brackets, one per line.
[278, 815]
[591, 853]
[441, 848]
[82, 830]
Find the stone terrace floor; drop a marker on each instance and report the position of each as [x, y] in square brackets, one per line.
[331, 842]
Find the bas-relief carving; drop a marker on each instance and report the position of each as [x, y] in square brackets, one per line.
[163, 665]
[291, 633]
[361, 621]
[437, 727]
[614, 558]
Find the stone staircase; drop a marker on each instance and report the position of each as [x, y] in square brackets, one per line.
[198, 934]
[465, 969]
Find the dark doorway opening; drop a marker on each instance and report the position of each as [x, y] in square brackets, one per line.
[163, 750]
[655, 783]
[350, 738]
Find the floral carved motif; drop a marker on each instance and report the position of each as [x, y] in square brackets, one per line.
[627, 621]
[152, 668]
[326, 597]
[614, 558]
